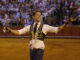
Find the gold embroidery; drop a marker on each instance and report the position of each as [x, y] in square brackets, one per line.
[32, 35]
[36, 35]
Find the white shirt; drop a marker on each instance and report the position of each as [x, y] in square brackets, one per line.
[38, 44]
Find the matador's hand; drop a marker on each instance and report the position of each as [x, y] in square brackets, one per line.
[5, 29]
[70, 20]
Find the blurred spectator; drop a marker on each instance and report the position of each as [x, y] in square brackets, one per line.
[18, 12]
[78, 11]
[77, 2]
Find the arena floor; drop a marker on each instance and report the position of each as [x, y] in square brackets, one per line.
[56, 49]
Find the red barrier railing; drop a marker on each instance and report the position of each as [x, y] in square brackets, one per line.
[67, 32]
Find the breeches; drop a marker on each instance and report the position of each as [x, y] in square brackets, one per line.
[36, 54]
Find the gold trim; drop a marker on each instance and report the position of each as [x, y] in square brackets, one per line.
[36, 35]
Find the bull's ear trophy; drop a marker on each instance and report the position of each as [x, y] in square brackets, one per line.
[71, 19]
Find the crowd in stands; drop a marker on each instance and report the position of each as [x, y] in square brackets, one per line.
[54, 12]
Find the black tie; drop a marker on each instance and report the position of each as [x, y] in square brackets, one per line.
[35, 27]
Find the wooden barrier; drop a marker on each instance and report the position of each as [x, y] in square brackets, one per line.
[71, 31]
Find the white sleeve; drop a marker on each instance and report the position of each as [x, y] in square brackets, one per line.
[24, 30]
[47, 28]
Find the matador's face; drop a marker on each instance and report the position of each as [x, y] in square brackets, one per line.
[37, 17]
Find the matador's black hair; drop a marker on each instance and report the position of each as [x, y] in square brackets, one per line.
[34, 12]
